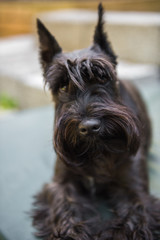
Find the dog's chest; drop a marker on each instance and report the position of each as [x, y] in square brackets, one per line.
[103, 171]
[89, 184]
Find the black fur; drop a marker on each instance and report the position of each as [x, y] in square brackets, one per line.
[101, 136]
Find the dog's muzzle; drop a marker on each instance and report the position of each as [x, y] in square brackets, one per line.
[89, 126]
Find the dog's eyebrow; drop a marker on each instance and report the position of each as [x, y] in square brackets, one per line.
[98, 68]
[74, 73]
[79, 70]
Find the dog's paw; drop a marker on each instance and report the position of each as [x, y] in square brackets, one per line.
[126, 232]
[142, 233]
[75, 232]
[110, 234]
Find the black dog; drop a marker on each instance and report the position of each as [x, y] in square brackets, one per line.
[101, 137]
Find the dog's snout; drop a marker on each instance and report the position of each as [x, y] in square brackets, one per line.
[89, 126]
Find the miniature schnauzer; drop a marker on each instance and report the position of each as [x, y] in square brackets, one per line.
[101, 137]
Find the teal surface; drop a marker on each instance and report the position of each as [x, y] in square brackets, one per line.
[27, 160]
[151, 93]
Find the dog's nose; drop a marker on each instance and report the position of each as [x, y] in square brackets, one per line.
[89, 126]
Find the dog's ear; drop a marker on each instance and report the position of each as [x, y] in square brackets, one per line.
[100, 37]
[48, 45]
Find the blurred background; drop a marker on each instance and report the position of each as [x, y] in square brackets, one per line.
[132, 25]
[26, 112]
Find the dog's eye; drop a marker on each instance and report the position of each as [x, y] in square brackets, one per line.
[63, 88]
[64, 85]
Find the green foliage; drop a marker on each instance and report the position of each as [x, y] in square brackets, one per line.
[7, 102]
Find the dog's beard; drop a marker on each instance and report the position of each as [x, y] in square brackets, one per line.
[119, 133]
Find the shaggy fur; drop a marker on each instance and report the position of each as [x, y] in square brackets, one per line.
[101, 137]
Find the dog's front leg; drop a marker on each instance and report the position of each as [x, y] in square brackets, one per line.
[131, 219]
[136, 215]
[60, 213]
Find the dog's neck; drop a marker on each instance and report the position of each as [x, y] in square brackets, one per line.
[101, 168]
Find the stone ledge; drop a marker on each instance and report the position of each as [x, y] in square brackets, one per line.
[135, 36]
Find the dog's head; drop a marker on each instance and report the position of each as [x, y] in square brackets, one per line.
[90, 116]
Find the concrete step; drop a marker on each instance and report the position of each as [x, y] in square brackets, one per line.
[20, 72]
[135, 36]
